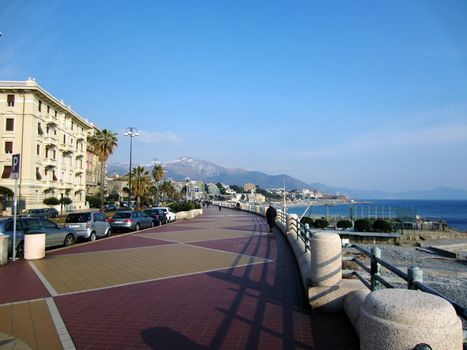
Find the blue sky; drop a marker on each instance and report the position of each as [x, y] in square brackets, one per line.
[362, 94]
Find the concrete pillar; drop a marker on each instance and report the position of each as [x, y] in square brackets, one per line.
[393, 319]
[326, 259]
[3, 249]
[292, 223]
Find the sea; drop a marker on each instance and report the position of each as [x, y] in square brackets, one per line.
[454, 212]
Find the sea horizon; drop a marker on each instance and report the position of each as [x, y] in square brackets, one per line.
[452, 211]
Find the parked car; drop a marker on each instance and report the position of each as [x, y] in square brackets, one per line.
[42, 213]
[130, 220]
[169, 214]
[54, 234]
[110, 207]
[89, 225]
[158, 216]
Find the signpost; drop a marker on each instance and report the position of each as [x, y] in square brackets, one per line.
[15, 167]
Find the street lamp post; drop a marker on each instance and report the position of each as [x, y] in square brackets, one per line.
[132, 132]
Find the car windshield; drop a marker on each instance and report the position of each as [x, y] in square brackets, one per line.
[78, 217]
[122, 216]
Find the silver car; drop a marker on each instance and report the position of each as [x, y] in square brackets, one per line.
[54, 234]
[89, 225]
[131, 220]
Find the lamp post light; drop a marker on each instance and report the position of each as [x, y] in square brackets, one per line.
[132, 132]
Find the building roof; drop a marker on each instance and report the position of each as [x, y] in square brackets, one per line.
[32, 85]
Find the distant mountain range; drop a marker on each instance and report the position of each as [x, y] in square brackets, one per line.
[195, 169]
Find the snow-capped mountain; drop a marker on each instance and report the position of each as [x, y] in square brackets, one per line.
[196, 169]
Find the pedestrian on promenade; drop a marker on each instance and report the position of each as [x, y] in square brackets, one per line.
[271, 215]
[220, 208]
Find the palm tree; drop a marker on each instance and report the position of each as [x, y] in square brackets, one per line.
[140, 183]
[158, 175]
[103, 144]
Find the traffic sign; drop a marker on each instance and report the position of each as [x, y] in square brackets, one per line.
[15, 166]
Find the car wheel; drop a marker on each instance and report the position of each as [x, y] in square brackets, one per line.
[69, 240]
[92, 237]
[137, 227]
[109, 233]
[20, 250]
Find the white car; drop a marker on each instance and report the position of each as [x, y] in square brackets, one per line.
[169, 214]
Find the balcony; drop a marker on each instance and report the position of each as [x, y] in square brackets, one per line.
[66, 148]
[50, 163]
[50, 119]
[50, 140]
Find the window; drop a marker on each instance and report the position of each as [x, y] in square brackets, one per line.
[40, 106]
[64, 139]
[48, 109]
[55, 114]
[6, 172]
[54, 155]
[54, 177]
[38, 150]
[10, 124]
[46, 153]
[8, 146]
[39, 129]
[11, 100]
[38, 174]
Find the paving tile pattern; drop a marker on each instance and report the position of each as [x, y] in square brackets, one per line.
[117, 242]
[18, 282]
[31, 323]
[80, 272]
[259, 306]
[220, 281]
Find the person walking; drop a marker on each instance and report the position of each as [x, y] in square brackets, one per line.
[271, 215]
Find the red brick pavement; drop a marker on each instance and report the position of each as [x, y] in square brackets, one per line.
[18, 282]
[259, 306]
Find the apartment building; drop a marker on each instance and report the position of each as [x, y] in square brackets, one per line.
[52, 142]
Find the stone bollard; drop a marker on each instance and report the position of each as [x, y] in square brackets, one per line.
[292, 223]
[34, 245]
[392, 319]
[326, 259]
[3, 249]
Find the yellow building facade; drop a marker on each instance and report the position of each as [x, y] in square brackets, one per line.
[52, 142]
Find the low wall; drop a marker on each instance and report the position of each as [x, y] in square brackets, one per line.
[186, 215]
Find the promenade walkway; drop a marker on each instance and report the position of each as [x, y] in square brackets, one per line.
[220, 281]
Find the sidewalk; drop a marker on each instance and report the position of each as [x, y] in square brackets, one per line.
[220, 281]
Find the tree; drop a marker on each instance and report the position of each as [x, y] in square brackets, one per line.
[237, 189]
[52, 201]
[321, 223]
[158, 175]
[382, 226]
[221, 188]
[362, 225]
[94, 201]
[64, 201]
[307, 220]
[344, 224]
[140, 183]
[103, 143]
